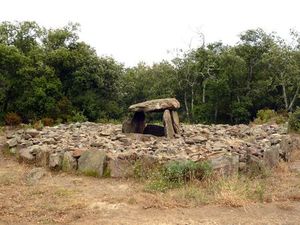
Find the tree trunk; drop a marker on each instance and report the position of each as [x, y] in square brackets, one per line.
[186, 106]
[216, 114]
[192, 102]
[294, 98]
[285, 97]
[203, 91]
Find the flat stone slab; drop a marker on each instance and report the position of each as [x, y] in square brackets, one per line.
[156, 105]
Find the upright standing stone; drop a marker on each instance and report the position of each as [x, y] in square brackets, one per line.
[175, 120]
[91, 163]
[136, 124]
[168, 124]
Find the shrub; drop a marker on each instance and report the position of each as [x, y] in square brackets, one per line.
[78, 117]
[176, 173]
[107, 121]
[38, 125]
[294, 121]
[265, 115]
[48, 121]
[12, 119]
[268, 115]
[184, 171]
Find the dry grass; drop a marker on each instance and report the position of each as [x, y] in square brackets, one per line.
[285, 206]
[295, 155]
[67, 199]
[238, 191]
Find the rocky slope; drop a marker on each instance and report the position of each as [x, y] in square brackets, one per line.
[103, 150]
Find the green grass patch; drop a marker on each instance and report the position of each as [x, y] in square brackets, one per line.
[90, 173]
[177, 173]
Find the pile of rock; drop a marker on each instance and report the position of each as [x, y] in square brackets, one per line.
[170, 118]
[103, 150]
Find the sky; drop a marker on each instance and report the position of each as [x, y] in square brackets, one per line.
[132, 31]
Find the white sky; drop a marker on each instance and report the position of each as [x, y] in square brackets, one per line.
[144, 30]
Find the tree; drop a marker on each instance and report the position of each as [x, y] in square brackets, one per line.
[282, 62]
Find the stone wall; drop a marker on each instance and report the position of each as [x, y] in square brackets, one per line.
[103, 150]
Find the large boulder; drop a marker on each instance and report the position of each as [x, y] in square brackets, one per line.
[156, 105]
[120, 167]
[226, 164]
[92, 163]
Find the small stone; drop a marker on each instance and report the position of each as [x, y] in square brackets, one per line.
[55, 161]
[12, 142]
[77, 152]
[49, 141]
[13, 150]
[35, 175]
[25, 155]
[96, 144]
[32, 132]
[105, 133]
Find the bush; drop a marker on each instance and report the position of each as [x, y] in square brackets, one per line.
[184, 171]
[48, 121]
[265, 115]
[268, 115]
[177, 173]
[12, 119]
[107, 121]
[78, 117]
[38, 125]
[294, 121]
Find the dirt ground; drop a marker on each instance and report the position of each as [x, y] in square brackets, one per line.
[60, 198]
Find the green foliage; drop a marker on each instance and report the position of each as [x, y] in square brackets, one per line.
[184, 171]
[38, 125]
[12, 119]
[268, 115]
[176, 173]
[265, 115]
[294, 121]
[48, 121]
[49, 73]
[90, 173]
[78, 117]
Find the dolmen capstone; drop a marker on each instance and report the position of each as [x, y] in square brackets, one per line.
[167, 106]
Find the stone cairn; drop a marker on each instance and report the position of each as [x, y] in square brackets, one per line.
[167, 106]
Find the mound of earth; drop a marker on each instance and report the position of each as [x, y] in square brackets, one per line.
[103, 150]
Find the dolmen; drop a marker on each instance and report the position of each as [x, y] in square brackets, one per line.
[167, 106]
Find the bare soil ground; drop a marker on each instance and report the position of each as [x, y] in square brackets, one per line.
[60, 198]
